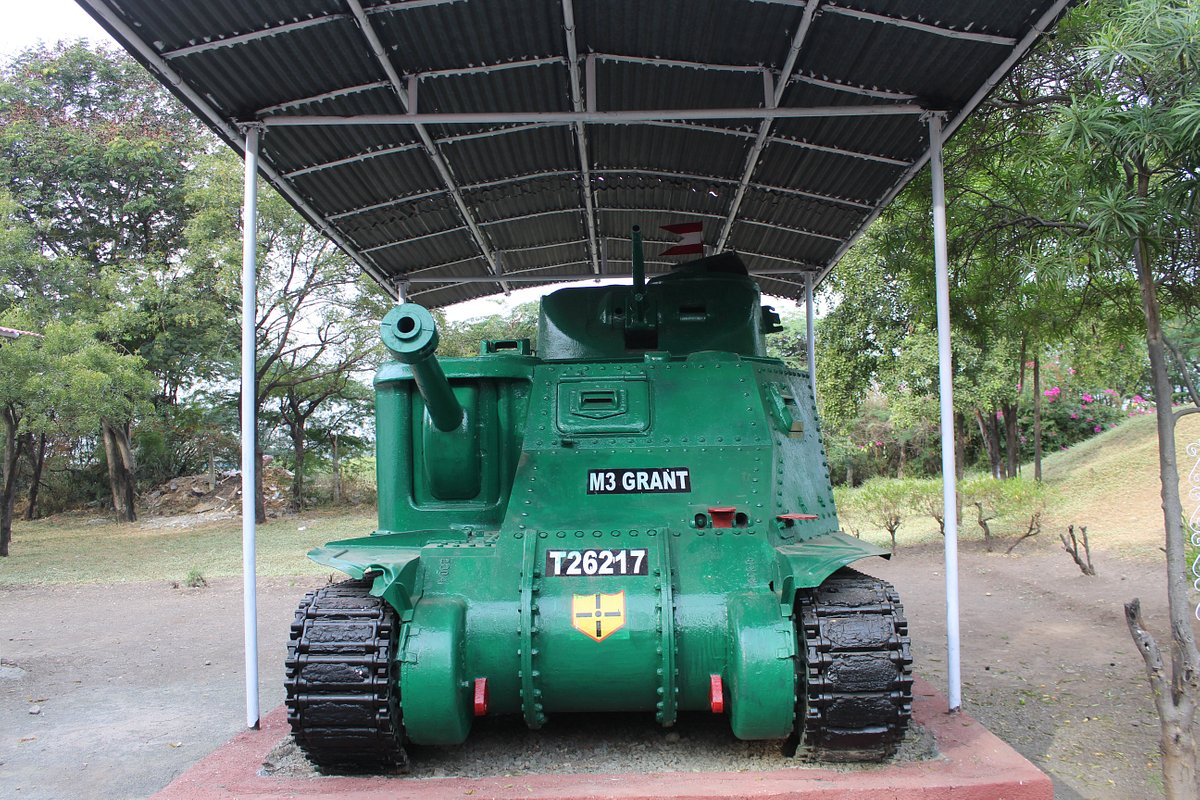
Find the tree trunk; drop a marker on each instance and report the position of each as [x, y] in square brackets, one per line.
[1037, 418]
[903, 460]
[337, 473]
[8, 477]
[1175, 692]
[1011, 445]
[121, 470]
[260, 503]
[37, 459]
[960, 444]
[298, 454]
[110, 458]
[991, 439]
[987, 529]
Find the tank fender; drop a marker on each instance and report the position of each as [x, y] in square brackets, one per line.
[434, 685]
[807, 563]
[762, 668]
[394, 566]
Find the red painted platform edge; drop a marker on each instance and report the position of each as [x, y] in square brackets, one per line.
[973, 765]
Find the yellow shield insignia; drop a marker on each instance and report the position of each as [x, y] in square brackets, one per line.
[598, 615]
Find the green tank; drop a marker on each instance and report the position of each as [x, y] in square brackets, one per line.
[638, 518]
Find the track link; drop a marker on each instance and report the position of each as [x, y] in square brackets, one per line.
[854, 677]
[343, 692]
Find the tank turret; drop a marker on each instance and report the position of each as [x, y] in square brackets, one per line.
[410, 333]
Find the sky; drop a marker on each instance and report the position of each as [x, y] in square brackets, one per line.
[27, 23]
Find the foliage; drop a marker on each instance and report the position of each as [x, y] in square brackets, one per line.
[1016, 497]
[461, 338]
[927, 498]
[885, 503]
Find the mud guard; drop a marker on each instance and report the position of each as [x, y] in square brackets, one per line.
[808, 563]
[392, 559]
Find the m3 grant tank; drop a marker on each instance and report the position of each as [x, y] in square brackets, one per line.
[638, 518]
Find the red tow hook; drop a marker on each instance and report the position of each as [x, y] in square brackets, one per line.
[790, 519]
[716, 694]
[722, 517]
[481, 696]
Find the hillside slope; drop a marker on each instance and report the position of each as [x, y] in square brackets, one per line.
[1110, 484]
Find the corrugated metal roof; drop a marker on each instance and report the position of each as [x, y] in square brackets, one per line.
[548, 194]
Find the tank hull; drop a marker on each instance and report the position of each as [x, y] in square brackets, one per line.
[612, 527]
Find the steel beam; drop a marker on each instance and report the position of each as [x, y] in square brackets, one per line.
[409, 5]
[526, 276]
[810, 333]
[323, 96]
[431, 148]
[898, 21]
[585, 166]
[399, 201]
[356, 159]
[592, 117]
[242, 38]
[946, 414]
[878, 94]
[410, 239]
[485, 69]
[250, 423]
[840, 151]
[765, 187]
[764, 128]
[924, 27]
[519, 128]
[678, 63]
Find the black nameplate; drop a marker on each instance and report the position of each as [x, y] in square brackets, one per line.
[655, 480]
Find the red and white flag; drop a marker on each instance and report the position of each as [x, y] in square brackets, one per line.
[691, 239]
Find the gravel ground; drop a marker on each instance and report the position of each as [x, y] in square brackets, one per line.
[576, 743]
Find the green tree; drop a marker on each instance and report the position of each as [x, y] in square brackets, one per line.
[93, 156]
[1138, 132]
[67, 381]
[316, 314]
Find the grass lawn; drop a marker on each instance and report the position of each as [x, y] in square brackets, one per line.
[1108, 483]
[85, 548]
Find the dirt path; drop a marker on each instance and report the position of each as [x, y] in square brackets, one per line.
[1047, 662]
[134, 682]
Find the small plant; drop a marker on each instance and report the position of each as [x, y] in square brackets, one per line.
[885, 503]
[994, 498]
[1085, 562]
[927, 499]
[1034, 498]
[195, 579]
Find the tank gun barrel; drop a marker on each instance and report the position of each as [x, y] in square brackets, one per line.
[410, 333]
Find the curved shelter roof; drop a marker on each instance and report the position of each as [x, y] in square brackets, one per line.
[469, 146]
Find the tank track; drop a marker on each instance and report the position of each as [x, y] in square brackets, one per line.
[854, 676]
[343, 692]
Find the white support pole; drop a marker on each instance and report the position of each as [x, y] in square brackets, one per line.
[810, 333]
[946, 398]
[249, 424]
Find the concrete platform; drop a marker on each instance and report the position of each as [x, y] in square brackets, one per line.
[972, 765]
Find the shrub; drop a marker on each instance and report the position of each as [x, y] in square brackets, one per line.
[994, 498]
[885, 502]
